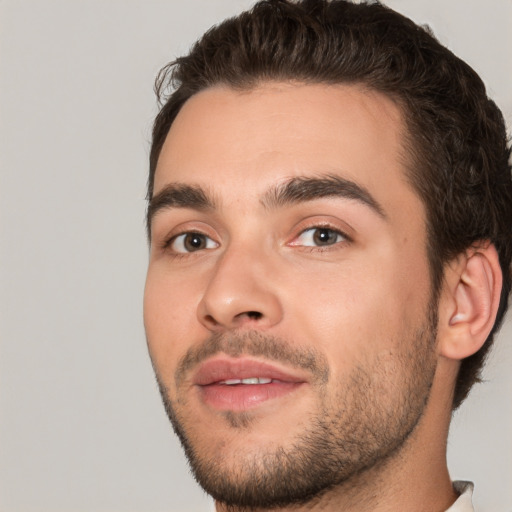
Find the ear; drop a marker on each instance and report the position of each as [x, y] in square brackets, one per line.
[469, 301]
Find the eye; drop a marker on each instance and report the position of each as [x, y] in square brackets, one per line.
[319, 237]
[191, 242]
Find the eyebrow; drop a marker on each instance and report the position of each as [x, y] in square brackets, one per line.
[178, 195]
[305, 188]
[294, 191]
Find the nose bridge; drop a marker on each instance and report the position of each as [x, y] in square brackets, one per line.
[240, 290]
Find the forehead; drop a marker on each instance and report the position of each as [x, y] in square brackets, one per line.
[241, 142]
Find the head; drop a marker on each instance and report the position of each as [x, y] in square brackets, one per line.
[456, 136]
[445, 166]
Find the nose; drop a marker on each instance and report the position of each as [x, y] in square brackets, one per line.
[240, 293]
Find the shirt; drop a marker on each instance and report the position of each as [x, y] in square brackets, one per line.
[464, 502]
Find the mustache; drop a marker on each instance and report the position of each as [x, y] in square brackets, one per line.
[255, 344]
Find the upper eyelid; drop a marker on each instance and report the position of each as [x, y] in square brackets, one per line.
[323, 224]
[329, 228]
[346, 238]
[177, 219]
[173, 239]
[164, 236]
[168, 240]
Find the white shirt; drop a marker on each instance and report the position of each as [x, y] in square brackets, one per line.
[464, 502]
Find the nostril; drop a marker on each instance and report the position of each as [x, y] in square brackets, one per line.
[251, 315]
[254, 315]
[210, 319]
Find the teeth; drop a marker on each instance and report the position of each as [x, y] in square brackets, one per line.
[250, 380]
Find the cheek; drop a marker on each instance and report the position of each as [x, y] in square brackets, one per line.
[169, 318]
[366, 304]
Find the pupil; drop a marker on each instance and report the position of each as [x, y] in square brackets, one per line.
[325, 236]
[194, 241]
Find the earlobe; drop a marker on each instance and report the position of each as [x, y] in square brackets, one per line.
[470, 302]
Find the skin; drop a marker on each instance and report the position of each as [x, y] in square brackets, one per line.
[355, 303]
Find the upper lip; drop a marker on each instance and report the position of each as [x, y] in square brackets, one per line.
[223, 368]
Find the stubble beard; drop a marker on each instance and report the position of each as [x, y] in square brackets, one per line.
[350, 433]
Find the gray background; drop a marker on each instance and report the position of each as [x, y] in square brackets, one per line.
[81, 425]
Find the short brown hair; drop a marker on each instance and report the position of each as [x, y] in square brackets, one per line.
[456, 141]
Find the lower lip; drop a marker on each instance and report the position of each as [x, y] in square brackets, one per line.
[240, 397]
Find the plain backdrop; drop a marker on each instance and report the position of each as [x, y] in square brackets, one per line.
[81, 424]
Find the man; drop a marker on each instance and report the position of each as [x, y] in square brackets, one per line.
[330, 203]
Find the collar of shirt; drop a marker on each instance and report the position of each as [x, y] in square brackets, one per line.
[464, 502]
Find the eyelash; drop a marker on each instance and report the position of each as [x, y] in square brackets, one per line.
[170, 241]
[322, 248]
[309, 248]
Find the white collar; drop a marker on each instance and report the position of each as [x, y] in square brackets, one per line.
[464, 502]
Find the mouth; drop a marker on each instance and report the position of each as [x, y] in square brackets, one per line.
[239, 384]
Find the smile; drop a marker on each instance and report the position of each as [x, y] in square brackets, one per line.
[238, 384]
[250, 381]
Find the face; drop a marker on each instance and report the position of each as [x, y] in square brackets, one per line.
[288, 302]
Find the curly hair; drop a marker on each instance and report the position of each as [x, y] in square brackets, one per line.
[456, 140]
